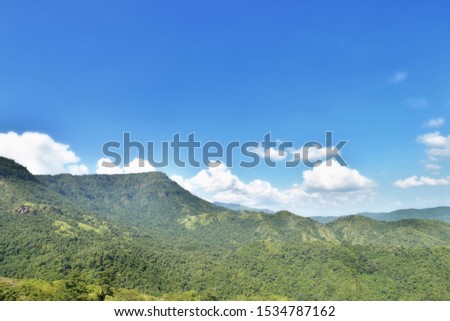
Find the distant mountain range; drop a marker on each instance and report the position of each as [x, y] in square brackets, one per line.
[441, 213]
[238, 207]
[438, 213]
[143, 237]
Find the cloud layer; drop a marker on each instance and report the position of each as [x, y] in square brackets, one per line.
[322, 186]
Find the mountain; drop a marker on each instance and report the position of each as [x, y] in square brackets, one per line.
[136, 199]
[325, 219]
[45, 236]
[438, 213]
[239, 207]
[142, 236]
[151, 201]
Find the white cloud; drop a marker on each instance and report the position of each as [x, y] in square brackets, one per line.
[335, 178]
[220, 184]
[78, 169]
[40, 154]
[436, 145]
[135, 166]
[435, 122]
[418, 102]
[398, 77]
[415, 181]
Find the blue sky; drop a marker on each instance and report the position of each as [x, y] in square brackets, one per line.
[373, 72]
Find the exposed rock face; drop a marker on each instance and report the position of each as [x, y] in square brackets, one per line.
[24, 210]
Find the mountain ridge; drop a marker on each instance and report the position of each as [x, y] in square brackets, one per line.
[440, 213]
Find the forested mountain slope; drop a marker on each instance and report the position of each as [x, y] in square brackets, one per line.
[142, 236]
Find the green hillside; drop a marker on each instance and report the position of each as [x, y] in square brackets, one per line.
[362, 230]
[143, 237]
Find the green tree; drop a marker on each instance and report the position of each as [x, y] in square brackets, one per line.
[75, 287]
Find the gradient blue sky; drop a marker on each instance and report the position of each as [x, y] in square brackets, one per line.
[373, 72]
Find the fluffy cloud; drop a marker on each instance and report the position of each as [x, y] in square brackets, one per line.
[436, 145]
[415, 181]
[40, 154]
[398, 77]
[435, 122]
[135, 166]
[319, 189]
[219, 184]
[335, 178]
